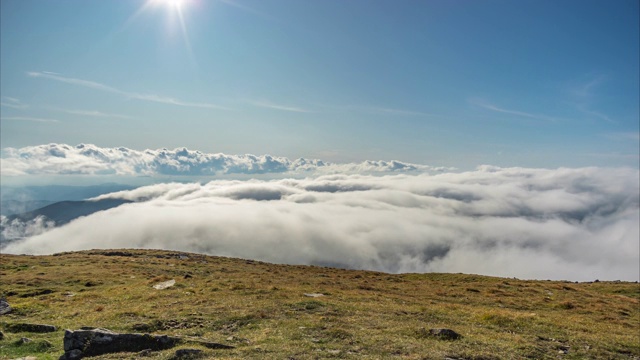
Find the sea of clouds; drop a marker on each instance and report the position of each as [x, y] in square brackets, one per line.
[576, 224]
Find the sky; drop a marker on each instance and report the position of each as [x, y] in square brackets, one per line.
[459, 84]
[489, 137]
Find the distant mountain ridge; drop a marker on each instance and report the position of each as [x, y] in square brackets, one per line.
[63, 212]
[54, 193]
[14, 207]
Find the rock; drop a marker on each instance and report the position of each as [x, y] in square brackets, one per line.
[81, 343]
[1, 335]
[24, 340]
[314, 295]
[4, 307]
[187, 354]
[34, 328]
[164, 285]
[72, 355]
[445, 334]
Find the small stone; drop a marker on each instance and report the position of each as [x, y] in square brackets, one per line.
[164, 285]
[187, 353]
[24, 340]
[4, 307]
[313, 295]
[145, 352]
[446, 334]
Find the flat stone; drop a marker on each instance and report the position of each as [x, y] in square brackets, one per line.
[446, 334]
[96, 342]
[313, 295]
[33, 328]
[188, 353]
[164, 285]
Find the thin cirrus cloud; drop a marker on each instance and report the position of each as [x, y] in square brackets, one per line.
[498, 109]
[88, 159]
[575, 224]
[270, 105]
[131, 95]
[585, 93]
[12, 102]
[28, 118]
[95, 113]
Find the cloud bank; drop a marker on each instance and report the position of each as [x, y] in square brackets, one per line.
[575, 224]
[87, 159]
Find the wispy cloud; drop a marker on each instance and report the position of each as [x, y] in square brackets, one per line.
[585, 95]
[13, 103]
[377, 110]
[584, 109]
[392, 111]
[270, 105]
[131, 95]
[498, 109]
[27, 118]
[587, 89]
[95, 113]
[621, 136]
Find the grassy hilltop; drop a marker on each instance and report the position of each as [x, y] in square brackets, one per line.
[263, 311]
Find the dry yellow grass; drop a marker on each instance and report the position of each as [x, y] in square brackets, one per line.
[261, 309]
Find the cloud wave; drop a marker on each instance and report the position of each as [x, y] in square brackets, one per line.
[576, 224]
[87, 159]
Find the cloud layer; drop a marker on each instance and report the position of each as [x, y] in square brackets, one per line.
[87, 159]
[576, 224]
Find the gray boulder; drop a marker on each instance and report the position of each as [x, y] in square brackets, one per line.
[4, 307]
[94, 342]
[33, 328]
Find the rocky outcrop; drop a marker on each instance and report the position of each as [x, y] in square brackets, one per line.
[33, 328]
[93, 342]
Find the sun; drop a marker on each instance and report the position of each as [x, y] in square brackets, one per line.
[173, 4]
[176, 14]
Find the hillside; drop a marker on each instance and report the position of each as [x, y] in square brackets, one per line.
[63, 212]
[261, 309]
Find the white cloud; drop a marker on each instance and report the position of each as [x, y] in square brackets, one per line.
[132, 95]
[270, 105]
[95, 113]
[17, 229]
[497, 109]
[86, 159]
[577, 224]
[28, 118]
[13, 103]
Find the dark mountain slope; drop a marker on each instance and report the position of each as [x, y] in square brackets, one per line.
[64, 211]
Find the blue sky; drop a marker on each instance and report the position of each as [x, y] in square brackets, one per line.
[445, 83]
